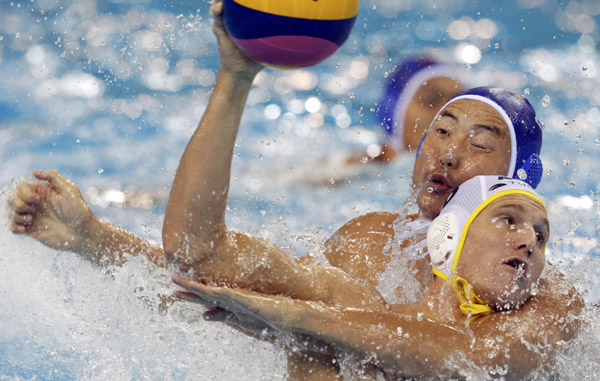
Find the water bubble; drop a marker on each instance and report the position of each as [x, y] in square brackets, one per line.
[430, 189]
[546, 100]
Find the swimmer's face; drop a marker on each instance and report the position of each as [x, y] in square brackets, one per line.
[424, 106]
[469, 138]
[503, 255]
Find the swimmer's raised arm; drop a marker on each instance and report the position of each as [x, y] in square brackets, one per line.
[195, 215]
[194, 230]
[54, 212]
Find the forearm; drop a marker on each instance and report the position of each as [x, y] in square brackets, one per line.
[104, 244]
[196, 209]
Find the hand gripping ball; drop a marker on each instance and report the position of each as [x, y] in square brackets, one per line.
[289, 33]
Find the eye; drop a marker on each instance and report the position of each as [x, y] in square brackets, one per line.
[508, 220]
[479, 146]
[441, 131]
[540, 237]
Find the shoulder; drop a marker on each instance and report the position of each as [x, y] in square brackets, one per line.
[370, 224]
[359, 247]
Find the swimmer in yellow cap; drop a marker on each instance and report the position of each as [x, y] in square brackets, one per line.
[487, 250]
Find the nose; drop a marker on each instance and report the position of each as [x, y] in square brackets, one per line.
[449, 156]
[526, 240]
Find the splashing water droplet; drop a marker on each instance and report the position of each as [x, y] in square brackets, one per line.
[471, 133]
[526, 91]
[546, 100]
[100, 171]
[430, 189]
[521, 174]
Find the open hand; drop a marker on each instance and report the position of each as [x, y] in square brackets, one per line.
[256, 314]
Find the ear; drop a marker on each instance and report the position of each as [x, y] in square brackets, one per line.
[531, 171]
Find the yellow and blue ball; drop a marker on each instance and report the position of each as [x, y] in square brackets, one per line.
[289, 33]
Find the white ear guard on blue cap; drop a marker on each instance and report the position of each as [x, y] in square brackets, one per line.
[447, 233]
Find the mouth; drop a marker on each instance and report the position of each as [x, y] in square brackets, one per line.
[518, 264]
[438, 183]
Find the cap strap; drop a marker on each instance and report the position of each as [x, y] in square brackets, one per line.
[470, 304]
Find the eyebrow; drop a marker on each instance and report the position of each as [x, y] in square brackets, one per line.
[493, 129]
[450, 115]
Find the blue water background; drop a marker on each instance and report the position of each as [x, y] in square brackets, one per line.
[108, 93]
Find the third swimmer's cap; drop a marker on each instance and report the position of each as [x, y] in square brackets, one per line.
[525, 130]
[447, 233]
[404, 83]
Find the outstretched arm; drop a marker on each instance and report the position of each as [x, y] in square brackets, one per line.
[410, 340]
[54, 212]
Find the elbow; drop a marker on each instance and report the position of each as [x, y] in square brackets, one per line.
[171, 241]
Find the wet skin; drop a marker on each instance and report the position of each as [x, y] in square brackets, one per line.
[503, 256]
[469, 138]
[423, 107]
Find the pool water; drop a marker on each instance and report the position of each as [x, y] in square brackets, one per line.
[108, 92]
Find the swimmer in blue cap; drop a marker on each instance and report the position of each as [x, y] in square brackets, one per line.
[414, 94]
[476, 130]
[487, 250]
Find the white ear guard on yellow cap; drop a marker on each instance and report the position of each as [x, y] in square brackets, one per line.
[447, 233]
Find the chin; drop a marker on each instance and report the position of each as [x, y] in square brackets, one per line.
[508, 300]
[430, 205]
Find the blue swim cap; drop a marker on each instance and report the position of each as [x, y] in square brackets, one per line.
[525, 130]
[404, 82]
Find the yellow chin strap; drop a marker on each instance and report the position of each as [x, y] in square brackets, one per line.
[470, 303]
